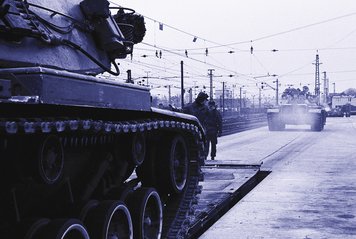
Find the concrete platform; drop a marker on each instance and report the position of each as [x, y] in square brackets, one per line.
[310, 194]
[224, 184]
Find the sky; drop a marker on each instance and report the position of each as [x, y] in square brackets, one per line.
[285, 35]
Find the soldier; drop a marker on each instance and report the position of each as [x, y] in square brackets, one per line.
[198, 108]
[213, 129]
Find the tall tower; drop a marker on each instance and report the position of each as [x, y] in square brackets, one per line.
[317, 77]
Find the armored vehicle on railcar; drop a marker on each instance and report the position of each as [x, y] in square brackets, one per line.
[82, 156]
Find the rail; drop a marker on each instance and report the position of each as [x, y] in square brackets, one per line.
[239, 123]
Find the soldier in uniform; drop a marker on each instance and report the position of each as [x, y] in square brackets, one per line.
[198, 108]
[213, 129]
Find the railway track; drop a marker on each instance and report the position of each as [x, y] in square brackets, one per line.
[233, 125]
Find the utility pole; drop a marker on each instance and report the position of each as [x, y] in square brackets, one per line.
[233, 97]
[245, 99]
[334, 87]
[190, 95]
[277, 84]
[240, 98]
[326, 88]
[223, 98]
[195, 88]
[182, 84]
[317, 77]
[211, 83]
[169, 95]
[259, 98]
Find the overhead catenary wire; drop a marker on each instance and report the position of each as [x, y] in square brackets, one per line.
[173, 69]
[286, 31]
[246, 41]
[218, 45]
[175, 28]
[173, 72]
[209, 63]
[197, 60]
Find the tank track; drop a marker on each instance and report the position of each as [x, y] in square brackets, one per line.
[178, 210]
[182, 209]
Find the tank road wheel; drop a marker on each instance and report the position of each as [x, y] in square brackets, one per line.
[146, 210]
[110, 219]
[174, 165]
[133, 148]
[50, 160]
[63, 229]
[138, 148]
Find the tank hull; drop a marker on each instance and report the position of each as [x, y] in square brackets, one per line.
[51, 86]
[69, 143]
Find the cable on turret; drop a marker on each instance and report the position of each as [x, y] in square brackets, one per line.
[77, 47]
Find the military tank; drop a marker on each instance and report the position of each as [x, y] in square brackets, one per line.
[297, 108]
[83, 156]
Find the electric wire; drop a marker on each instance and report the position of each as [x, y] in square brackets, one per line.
[254, 40]
[175, 74]
[173, 69]
[260, 63]
[264, 37]
[175, 28]
[197, 60]
[286, 31]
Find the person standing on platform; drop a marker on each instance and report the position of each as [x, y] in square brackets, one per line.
[213, 129]
[200, 110]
